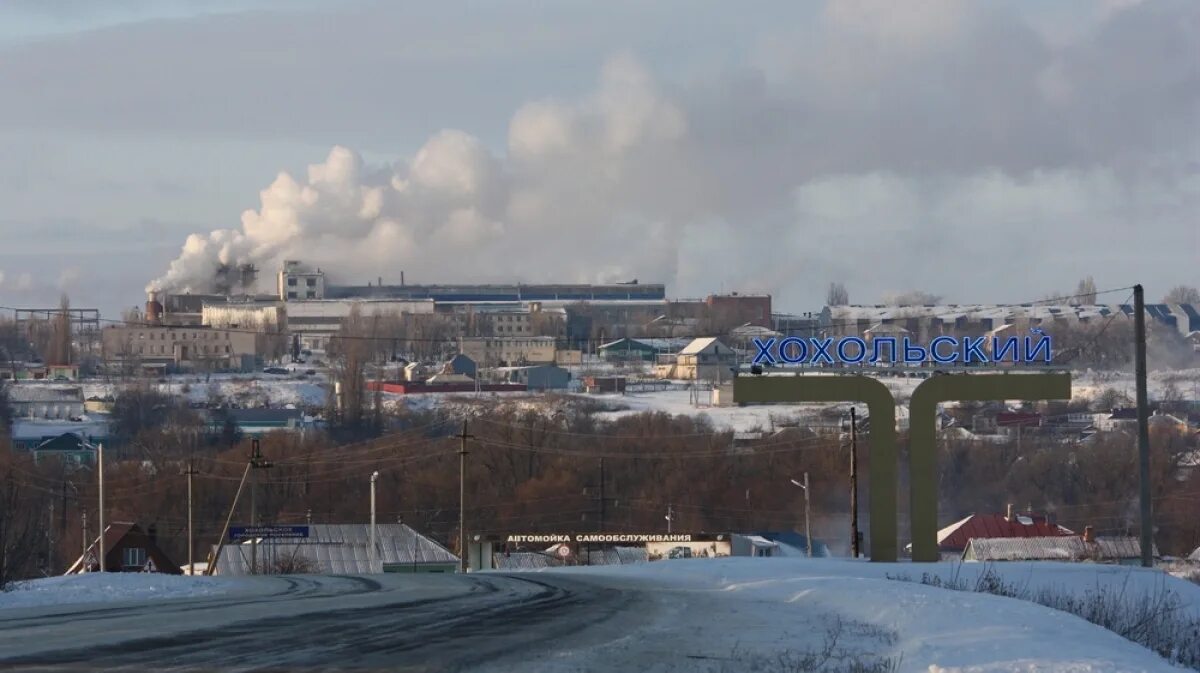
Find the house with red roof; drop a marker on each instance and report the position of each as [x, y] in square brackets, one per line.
[953, 539]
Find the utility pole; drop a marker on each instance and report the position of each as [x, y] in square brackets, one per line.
[83, 515]
[807, 529]
[257, 462]
[601, 495]
[670, 517]
[100, 474]
[371, 550]
[191, 470]
[50, 542]
[853, 483]
[462, 497]
[1143, 417]
[215, 555]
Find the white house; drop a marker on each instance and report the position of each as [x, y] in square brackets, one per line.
[705, 359]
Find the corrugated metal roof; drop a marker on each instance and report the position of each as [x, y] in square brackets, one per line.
[43, 393]
[1065, 548]
[956, 536]
[341, 548]
[1195, 556]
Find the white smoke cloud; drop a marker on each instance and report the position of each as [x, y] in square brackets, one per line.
[927, 129]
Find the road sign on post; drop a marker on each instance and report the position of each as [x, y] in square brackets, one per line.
[268, 532]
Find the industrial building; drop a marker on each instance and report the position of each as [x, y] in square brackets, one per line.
[169, 348]
[45, 401]
[508, 351]
[299, 282]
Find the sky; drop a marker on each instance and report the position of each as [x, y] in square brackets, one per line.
[983, 151]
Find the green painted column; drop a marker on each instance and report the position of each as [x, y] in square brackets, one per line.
[922, 469]
[882, 407]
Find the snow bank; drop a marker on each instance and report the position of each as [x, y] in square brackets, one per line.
[107, 587]
[936, 630]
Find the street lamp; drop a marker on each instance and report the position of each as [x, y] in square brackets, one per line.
[371, 549]
[807, 530]
[99, 449]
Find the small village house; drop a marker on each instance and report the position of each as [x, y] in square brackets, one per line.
[127, 549]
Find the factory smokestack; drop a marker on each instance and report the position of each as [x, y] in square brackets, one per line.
[154, 309]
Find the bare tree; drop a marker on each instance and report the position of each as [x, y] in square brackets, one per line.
[837, 295]
[356, 347]
[1085, 293]
[59, 352]
[20, 523]
[1182, 294]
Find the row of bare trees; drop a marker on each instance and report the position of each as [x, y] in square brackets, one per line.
[531, 471]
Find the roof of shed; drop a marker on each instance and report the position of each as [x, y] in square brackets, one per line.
[342, 548]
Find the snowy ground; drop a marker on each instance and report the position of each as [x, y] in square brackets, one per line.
[106, 587]
[732, 614]
[253, 390]
[1091, 384]
[245, 389]
[769, 604]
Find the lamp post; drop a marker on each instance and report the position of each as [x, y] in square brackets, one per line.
[99, 449]
[807, 530]
[371, 550]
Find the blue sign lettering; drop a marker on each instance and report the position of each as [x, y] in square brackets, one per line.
[942, 350]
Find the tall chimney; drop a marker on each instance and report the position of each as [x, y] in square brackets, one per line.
[401, 279]
[1089, 534]
[154, 309]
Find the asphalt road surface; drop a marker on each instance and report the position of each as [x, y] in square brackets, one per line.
[478, 622]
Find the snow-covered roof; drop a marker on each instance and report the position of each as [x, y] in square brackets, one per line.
[700, 345]
[1064, 548]
[761, 542]
[748, 330]
[36, 393]
[341, 548]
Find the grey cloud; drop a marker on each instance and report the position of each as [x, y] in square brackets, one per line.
[943, 151]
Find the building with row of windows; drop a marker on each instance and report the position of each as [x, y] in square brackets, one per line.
[182, 348]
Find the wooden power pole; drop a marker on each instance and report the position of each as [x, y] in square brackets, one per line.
[257, 462]
[853, 483]
[1143, 418]
[191, 470]
[462, 497]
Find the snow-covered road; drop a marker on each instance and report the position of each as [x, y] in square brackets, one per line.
[691, 615]
[385, 622]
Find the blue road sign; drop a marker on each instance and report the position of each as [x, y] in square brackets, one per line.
[268, 532]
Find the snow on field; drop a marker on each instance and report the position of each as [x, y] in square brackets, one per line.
[1091, 384]
[934, 630]
[247, 390]
[107, 587]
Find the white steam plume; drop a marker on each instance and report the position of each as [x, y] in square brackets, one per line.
[878, 139]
